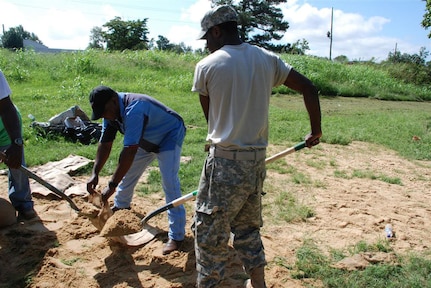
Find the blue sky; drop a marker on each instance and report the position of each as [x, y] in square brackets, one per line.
[362, 29]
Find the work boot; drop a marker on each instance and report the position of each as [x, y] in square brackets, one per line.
[171, 246]
[27, 214]
[257, 278]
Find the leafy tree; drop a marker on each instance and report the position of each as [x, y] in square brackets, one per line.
[181, 48]
[410, 68]
[426, 22]
[96, 38]
[260, 21]
[11, 39]
[299, 47]
[163, 43]
[121, 35]
[14, 38]
[27, 35]
[417, 59]
[341, 59]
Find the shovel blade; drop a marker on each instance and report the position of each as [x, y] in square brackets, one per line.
[142, 237]
[95, 198]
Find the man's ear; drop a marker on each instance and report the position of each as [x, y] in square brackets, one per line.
[115, 101]
[216, 31]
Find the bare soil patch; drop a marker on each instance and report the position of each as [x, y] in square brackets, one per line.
[348, 188]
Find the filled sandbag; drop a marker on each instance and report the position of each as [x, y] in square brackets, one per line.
[7, 213]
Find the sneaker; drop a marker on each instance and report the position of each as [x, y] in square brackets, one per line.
[27, 214]
[115, 209]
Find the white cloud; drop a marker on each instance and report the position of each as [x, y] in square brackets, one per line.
[196, 11]
[353, 35]
[188, 33]
[67, 28]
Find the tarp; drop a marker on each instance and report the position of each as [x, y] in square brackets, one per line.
[59, 174]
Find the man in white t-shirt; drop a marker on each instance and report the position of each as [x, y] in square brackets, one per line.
[11, 143]
[234, 84]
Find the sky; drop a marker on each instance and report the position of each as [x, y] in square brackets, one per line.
[361, 30]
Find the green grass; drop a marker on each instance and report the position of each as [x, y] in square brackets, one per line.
[368, 175]
[70, 262]
[360, 102]
[311, 263]
[289, 209]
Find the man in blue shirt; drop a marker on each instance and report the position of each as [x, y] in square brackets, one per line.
[151, 130]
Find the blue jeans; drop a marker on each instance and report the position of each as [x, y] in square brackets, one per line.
[19, 187]
[169, 164]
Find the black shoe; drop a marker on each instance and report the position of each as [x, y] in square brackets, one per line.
[27, 214]
[115, 209]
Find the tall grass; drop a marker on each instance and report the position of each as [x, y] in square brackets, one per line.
[366, 79]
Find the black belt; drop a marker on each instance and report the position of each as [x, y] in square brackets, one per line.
[242, 155]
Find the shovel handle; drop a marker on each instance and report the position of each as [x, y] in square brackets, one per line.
[44, 183]
[177, 202]
[192, 195]
[283, 153]
[49, 186]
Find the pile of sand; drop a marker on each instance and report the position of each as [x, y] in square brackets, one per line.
[122, 222]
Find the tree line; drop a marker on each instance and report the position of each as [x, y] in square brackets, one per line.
[260, 23]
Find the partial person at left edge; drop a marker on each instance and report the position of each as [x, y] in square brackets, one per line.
[12, 145]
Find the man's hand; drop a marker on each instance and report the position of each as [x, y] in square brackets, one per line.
[92, 183]
[312, 140]
[107, 192]
[14, 156]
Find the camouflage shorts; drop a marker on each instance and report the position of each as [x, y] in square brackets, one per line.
[229, 200]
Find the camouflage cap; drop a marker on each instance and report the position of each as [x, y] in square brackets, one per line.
[216, 16]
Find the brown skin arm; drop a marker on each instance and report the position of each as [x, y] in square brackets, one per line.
[10, 119]
[125, 162]
[102, 155]
[205, 103]
[302, 84]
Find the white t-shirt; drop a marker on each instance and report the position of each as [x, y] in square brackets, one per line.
[4, 87]
[239, 81]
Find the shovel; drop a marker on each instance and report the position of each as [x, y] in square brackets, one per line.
[192, 195]
[44, 183]
[148, 232]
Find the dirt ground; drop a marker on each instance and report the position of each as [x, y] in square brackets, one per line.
[64, 249]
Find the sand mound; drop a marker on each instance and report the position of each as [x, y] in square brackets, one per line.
[122, 222]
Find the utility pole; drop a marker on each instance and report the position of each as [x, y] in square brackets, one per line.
[329, 34]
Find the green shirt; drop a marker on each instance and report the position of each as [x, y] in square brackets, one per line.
[4, 136]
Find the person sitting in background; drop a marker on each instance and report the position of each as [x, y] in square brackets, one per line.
[11, 143]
